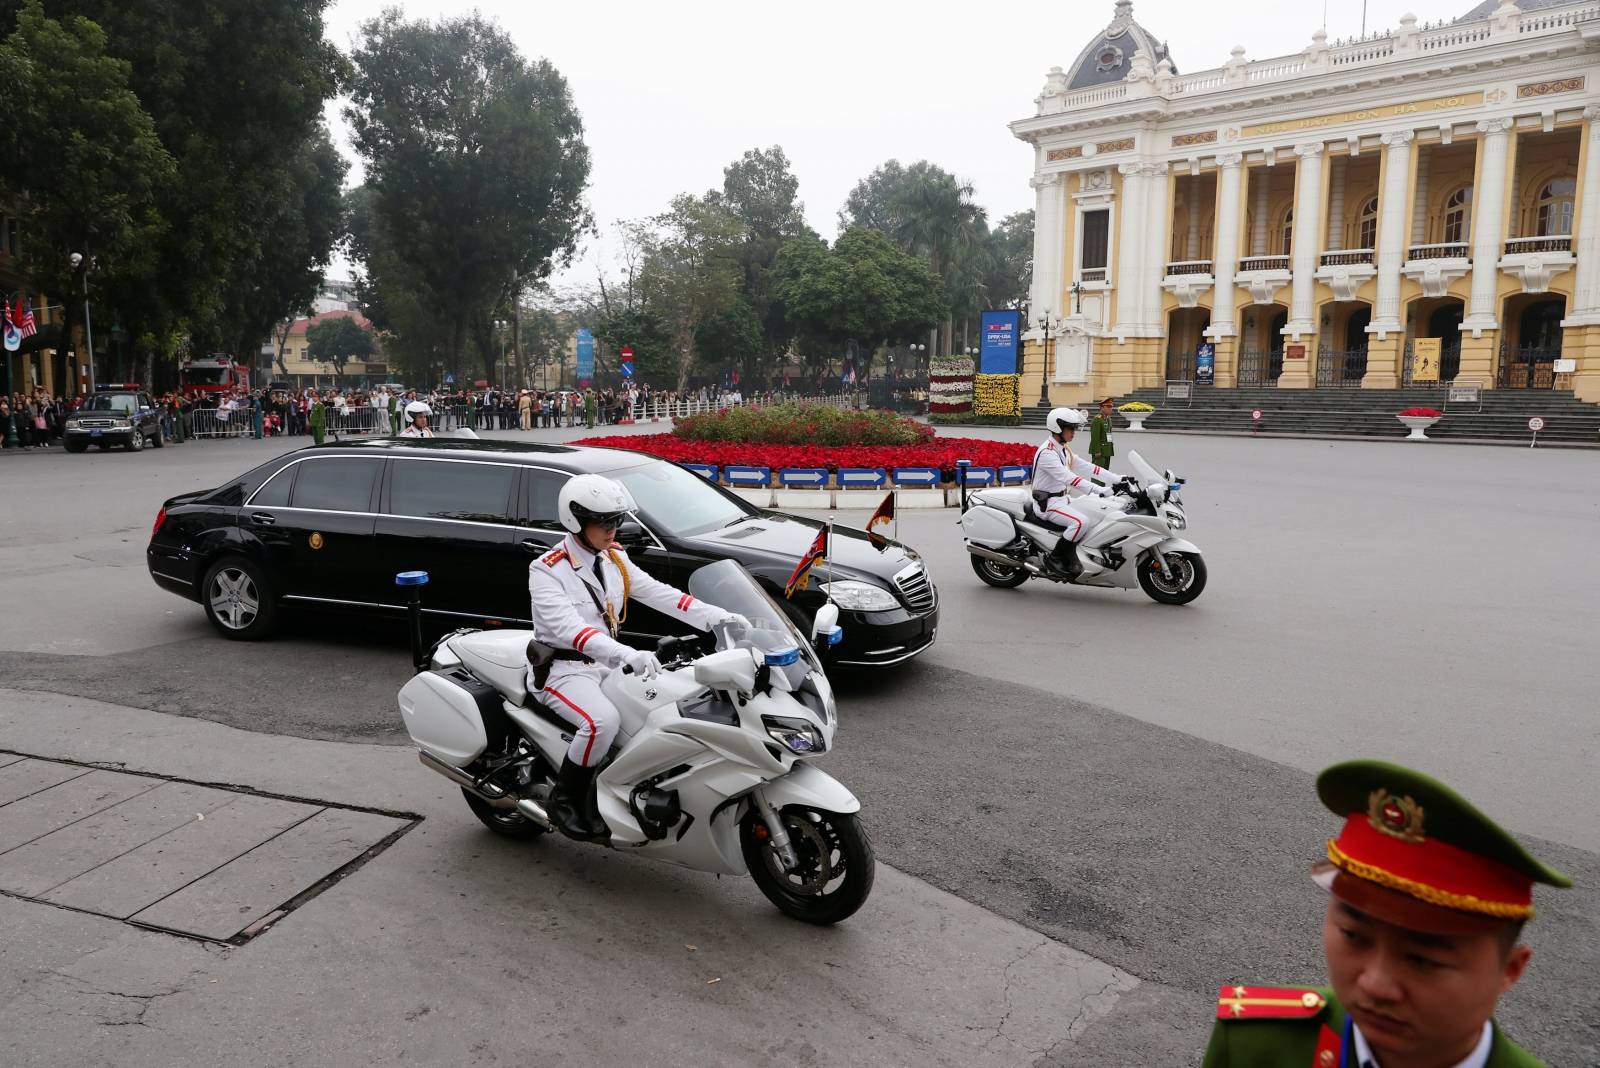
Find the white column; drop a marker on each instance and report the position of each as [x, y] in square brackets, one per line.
[1307, 226]
[1258, 213]
[1392, 230]
[1586, 299]
[1049, 232]
[1225, 255]
[1336, 171]
[1130, 248]
[1158, 231]
[1488, 223]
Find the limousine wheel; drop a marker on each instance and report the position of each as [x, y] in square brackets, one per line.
[238, 600]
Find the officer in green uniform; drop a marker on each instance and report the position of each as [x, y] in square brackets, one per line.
[1426, 901]
[1100, 449]
[319, 418]
[588, 408]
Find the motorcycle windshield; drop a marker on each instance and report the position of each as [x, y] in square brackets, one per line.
[1143, 471]
[728, 585]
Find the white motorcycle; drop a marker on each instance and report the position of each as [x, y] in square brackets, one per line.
[1136, 543]
[711, 769]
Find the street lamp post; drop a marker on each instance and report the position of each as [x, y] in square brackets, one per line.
[88, 327]
[501, 370]
[1045, 323]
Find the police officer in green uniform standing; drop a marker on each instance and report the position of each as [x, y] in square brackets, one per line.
[319, 418]
[1100, 449]
[1427, 897]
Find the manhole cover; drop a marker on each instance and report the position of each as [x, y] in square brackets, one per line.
[210, 862]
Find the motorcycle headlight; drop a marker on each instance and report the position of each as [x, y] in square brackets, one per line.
[1177, 521]
[860, 596]
[795, 735]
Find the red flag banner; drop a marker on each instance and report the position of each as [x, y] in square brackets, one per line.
[882, 517]
[802, 572]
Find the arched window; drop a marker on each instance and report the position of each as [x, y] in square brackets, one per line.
[1555, 207]
[1458, 216]
[1367, 225]
[1286, 232]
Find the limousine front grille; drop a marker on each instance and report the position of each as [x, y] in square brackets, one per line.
[915, 588]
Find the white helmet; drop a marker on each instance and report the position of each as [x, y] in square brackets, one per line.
[416, 408]
[1061, 419]
[592, 498]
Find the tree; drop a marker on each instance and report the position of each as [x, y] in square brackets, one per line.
[83, 163]
[862, 290]
[1010, 261]
[691, 272]
[476, 163]
[233, 94]
[337, 340]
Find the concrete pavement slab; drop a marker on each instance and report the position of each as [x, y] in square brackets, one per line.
[245, 890]
[27, 777]
[454, 940]
[38, 814]
[143, 876]
[47, 862]
[7, 759]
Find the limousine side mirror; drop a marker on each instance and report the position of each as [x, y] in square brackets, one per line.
[631, 532]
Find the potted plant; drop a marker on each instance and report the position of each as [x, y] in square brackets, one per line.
[1419, 419]
[1136, 412]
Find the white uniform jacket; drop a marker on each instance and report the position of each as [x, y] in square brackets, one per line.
[411, 431]
[1057, 470]
[564, 591]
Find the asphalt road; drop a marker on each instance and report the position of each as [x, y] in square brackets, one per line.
[1131, 780]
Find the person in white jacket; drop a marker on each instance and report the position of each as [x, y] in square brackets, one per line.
[1067, 489]
[580, 592]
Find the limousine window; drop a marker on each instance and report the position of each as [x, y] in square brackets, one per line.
[335, 484]
[677, 502]
[275, 494]
[432, 489]
[544, 493]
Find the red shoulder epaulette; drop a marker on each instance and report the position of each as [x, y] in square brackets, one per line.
[1269, 1003]
[556, 557]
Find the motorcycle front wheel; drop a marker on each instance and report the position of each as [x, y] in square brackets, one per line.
[996, 574]
[1188, 578]
[836, 866]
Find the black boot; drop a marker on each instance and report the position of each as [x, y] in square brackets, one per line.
[572, 807]
[1065, 557]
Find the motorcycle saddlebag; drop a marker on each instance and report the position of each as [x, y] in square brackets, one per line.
[988, 527]
[452, 715]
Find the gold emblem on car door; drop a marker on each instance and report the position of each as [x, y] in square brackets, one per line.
[316, 540]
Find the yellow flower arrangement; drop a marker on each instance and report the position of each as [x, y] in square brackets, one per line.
[996, 395]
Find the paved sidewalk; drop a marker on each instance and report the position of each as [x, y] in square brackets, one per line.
[453, 946]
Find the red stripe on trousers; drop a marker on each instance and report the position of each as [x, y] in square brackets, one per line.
[1075, 519]
[589, 746]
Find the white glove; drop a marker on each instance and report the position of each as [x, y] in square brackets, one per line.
[731, 617]
[645, 665]
[1103, 491]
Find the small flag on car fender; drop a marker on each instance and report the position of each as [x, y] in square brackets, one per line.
[884, 515]
[802, 571]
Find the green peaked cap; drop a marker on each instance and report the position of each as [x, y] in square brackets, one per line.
[1346, 787]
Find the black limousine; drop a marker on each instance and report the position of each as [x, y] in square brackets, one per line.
[330, 526]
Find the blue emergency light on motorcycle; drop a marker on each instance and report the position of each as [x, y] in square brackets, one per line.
[411, 578]
[784, 657]
[836, 635]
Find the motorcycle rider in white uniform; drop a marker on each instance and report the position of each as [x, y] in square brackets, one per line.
[1064, 493]
[580, 592]
[417, 412]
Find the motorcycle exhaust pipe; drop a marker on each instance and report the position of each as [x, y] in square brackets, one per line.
[1002, 558]
[488, 791]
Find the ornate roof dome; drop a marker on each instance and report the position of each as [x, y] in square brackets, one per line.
[1487, 8]
[1108, 56]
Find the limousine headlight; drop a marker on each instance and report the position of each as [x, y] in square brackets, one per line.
[860, 596]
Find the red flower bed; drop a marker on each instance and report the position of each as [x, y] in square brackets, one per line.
[1423, 413]
[941, 452]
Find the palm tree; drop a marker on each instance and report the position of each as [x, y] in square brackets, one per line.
[934, 216]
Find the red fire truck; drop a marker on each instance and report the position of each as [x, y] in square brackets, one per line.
[216, 372]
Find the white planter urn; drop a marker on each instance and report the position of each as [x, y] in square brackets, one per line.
[1417, 424]
[1136, 419]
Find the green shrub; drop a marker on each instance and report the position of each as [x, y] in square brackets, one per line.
[803, 424]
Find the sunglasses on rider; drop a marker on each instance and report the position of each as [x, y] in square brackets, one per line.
[608, 522]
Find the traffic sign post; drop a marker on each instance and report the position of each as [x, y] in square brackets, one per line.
[1255, 420]
[1535, 424]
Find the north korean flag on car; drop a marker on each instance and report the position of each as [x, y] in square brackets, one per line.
[802, 571]
[882, 517]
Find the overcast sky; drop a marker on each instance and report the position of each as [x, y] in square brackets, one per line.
[672, 92]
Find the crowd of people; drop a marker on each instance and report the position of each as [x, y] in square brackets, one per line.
[39, 419]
